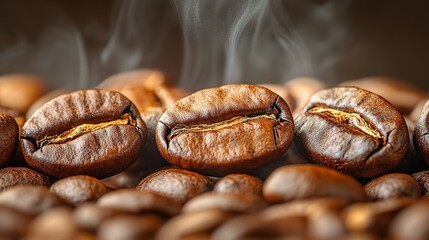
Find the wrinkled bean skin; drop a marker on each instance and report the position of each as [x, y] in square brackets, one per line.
[352, 130]
[230, 129]
[90, 132]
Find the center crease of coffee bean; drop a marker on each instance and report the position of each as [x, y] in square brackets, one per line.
[179, 129]
[351, 119]
[77, 131]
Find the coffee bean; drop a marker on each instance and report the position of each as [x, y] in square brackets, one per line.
[229, 129]
[8, 138]
[89, 216]
[31, 200]
[79, 189]
[352, 130]
[239, 183]
[13, 223]
[130, 227]
[91, 132]
[55, 224]
[258, 226]
[373, 217]
[19, 91]
[420, 137]
[402, 95]
[393, 185]
[310, 181]
[197, 225]
[227, 202]
[13, 176]
[178, 184]
[133, 201]
[411, 223]
[423, 178]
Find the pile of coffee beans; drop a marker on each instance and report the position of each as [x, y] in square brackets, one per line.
[137, 158]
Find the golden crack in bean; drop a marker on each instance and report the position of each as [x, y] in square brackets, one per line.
[77, 131]
[350, 119]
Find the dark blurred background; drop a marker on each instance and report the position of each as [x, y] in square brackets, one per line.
[79, 43]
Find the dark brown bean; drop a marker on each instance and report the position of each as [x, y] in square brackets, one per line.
[411, 223]
[373, 217]
[239, 183]
[13, 176]
[9, 138]
[130, 227]
[228, 202]
[55, 224]
[190, 225]
[178, 184]
[310, 181]
[352, 130]
[423, 178]
[421, 136]
[31, 200]
[393, 185]
[79, 189]
[89, 216]
[257, 226]
[230, 129]
[133, 201]
[91, 132]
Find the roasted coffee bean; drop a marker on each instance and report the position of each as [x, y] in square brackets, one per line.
[411, 223]
[301, 89]
[239, 183]
[31, 200]
[423, 179]
[421, 136]
[230, 129]
[193, 225]
[125, 179]
[227, 202]
[91, 132]
[393, 185]
[151, 92]
[13, 223]
[402, 95]
[89, 216]
[13, 176]
[9, 137]
[373, 217]
[17, 115]
[310, 181]
[352, 130]
[259, 226]
[130, 227]
[55, 224]
[19, 91]
[79, 189]
[134, 201]
[178, 184]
